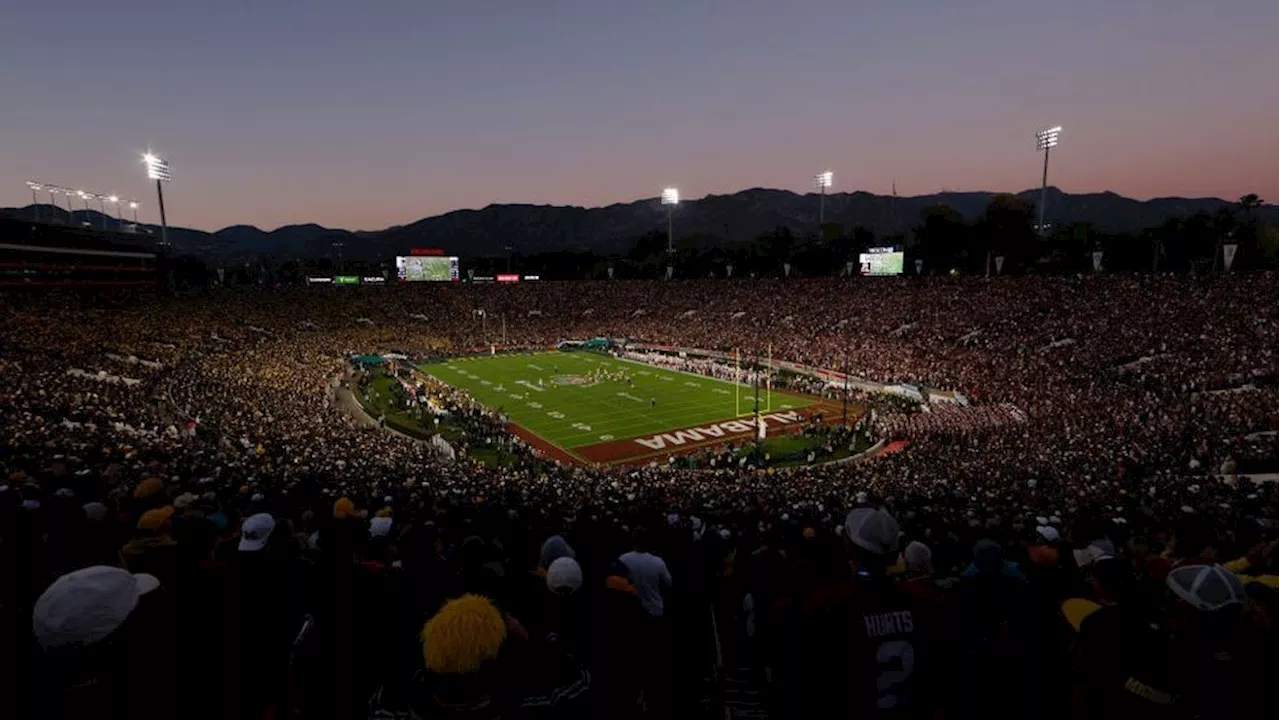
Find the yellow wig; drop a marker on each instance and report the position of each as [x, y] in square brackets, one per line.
[463, 635]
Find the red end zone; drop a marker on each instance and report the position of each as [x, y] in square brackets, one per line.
[675, 442]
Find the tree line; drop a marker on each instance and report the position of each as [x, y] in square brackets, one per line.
[1003, 240]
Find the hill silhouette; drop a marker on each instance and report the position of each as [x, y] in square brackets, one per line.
[737, 217]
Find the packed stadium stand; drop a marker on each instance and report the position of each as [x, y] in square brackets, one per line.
[199, 520]
[40, 256]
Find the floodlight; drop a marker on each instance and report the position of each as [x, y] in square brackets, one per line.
[670, 196]
[1046, 139]
[823, 179]
[157, 169]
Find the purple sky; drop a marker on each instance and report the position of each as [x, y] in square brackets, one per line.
[364, 115]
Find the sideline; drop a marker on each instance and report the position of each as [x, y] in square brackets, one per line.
[347, 402]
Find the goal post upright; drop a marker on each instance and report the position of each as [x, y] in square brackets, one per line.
[737, 382]
[768, 381]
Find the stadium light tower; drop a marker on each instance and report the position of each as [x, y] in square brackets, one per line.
[85, 197]
[158, 170]
[102, 205]
[1045, 139]
[670, 198]
[133, 205]
[115, 206]
[35, 202]
[823, 181]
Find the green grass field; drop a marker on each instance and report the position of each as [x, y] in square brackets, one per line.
[543, 392]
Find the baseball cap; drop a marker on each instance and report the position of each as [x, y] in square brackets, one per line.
[256, 531]
[380, 526]
[872, 530]
[564, 576]
[85, 606]
[1205, 587]
[1048, 533]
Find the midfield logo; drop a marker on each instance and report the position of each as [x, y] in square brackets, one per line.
[718, 430]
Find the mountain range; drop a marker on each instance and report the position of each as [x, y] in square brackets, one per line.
[526, 229]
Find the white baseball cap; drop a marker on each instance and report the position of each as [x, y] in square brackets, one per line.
[564, 576]
[872, 530]
[256, 531]
[380, 526]
[85, 606]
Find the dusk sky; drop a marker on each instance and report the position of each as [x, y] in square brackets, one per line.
[362, 115]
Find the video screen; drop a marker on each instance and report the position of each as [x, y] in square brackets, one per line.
[419, 268]
[883, 263]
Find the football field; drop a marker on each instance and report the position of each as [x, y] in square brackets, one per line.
[599, 409]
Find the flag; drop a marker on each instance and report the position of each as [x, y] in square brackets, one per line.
[760, 431]
[1229, 255]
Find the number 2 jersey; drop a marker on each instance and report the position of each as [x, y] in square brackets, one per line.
[866, 646]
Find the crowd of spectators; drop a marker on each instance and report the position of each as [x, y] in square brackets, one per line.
[220, 539]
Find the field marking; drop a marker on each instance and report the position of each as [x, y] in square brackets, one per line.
[600, 410]
[529, 385]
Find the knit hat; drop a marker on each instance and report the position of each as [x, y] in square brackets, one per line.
[256, 531]
[564, 576]
[1205, 587]
[343, 508]
[148, 487]
[155, 519]
[182, 501]
[872, 530]
[463, 635]
[85, 606]
[919, 557]
[552, 549]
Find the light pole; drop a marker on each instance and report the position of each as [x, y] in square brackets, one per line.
[823, 181]
[35, 202]
[102, 205]
[158, 170]
[670, 198]
[133, 205]
[115, 205]
[85, 197]
[1045, 139]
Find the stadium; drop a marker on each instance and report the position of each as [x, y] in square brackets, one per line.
[459, 366]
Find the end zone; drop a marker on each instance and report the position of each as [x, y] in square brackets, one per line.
[674, 442]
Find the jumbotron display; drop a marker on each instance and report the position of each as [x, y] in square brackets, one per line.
[417, 268]
[881, 261]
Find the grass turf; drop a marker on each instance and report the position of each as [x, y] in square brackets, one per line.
[576, 415]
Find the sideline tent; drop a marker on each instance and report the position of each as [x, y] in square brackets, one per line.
[367, 359]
